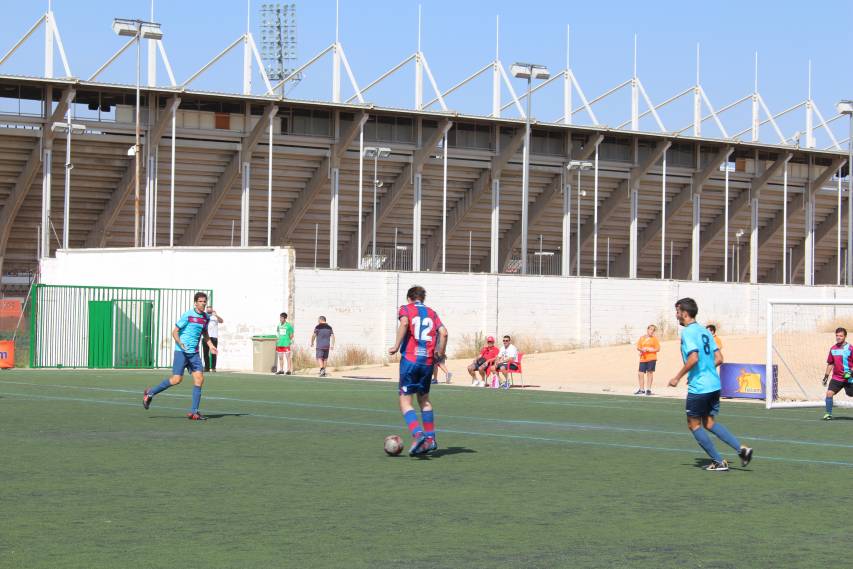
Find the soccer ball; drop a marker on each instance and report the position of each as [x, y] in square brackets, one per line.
[393, 445]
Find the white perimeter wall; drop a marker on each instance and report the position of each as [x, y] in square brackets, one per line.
[251, 286]
[362, 306]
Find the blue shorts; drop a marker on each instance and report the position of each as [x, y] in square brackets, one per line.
[183, 360]
[648, 366]
[414, 378]
[703, 404]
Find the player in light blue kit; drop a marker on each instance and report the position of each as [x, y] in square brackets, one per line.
[701, 358]
[188, 329]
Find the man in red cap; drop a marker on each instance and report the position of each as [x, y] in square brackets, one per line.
[483, 362]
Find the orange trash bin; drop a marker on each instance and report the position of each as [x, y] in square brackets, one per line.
[7, 354]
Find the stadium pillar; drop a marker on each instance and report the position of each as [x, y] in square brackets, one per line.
[495, 225]
[809, 198]
[333, 217]
[753, 239]
[416, 223]
[566, 250]
[632, 236]
[47, 156]
[244, 205]
[696, 235]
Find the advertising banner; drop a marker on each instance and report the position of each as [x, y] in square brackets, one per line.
[745, 381]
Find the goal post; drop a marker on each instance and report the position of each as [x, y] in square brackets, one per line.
[799, 336]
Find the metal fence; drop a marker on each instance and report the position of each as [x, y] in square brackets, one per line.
[105, 327]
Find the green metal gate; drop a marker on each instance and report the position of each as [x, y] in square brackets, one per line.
[105, 327]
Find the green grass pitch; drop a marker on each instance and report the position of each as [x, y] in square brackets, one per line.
[290, 472]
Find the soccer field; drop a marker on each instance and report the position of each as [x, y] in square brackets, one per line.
[290, 472]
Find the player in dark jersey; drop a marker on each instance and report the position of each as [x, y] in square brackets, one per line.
[839, 364]
[421, 337]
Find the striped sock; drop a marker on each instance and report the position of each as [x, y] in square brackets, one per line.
[429, 423]
[196, 397]
[411, 419]
[701, 436]
[164, 385]
[829, 405]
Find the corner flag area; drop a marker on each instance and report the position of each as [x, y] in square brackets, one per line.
[291, 473]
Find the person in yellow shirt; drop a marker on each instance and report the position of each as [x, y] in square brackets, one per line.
[713, 330]
[648, 346]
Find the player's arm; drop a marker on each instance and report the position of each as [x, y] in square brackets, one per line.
[313, 337]
[176, 335]
[718, 358]
[402, 326]
[692, 360]
[332, 341]
[828, 373]
[441, 342]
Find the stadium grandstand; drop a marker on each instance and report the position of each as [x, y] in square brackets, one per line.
[256, 168]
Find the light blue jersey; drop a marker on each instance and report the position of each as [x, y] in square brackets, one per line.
[190, 327]
[703, 377]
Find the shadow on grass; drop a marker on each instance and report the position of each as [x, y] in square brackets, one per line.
[704, 462]
[841, 418]
[447, 452]
[211, 416]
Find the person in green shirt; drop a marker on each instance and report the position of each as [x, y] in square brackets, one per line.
[284, 334]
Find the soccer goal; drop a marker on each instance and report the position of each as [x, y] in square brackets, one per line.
[799, 336]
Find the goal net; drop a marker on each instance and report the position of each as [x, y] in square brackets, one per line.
[799, 336]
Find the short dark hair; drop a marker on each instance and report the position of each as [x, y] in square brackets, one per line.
[199, 295]
[416, 293]
[283, 315]
[711, 328]
[842, 330]
[323, 318]
[506, 337]
[689, 306]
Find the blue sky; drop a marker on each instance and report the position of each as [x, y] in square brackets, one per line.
[459, 38]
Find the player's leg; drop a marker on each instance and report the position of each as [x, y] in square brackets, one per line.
[722, 433]
[213, 356]
[196, 368]
[831, 390]
[698, 407]
[289, 359]
[178, 365]
[428, 419]
[206, 353]
[641, 373]
[408, 388]
[650, 376]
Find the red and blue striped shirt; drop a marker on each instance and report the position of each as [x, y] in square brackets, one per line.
[419, 342]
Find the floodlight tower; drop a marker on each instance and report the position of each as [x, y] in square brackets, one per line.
[278, 41]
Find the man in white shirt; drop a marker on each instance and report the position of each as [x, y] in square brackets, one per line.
[507, 359]
[213, 332]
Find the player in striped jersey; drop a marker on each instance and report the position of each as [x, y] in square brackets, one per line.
[421, 337]
[191, 326]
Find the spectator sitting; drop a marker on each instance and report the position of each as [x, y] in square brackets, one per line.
[507, 360]
[483, 362]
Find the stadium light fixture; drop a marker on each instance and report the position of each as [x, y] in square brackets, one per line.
[375, 152]
[137, 29]
[528, 71]
[845, 107]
